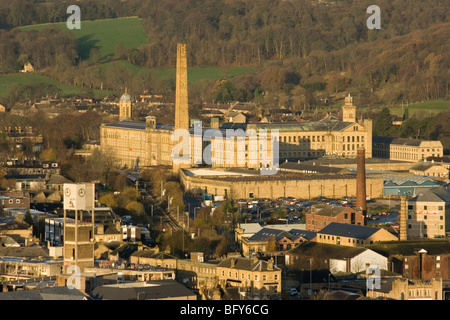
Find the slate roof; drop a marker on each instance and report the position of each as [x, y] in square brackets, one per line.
[54, 293]
[324, 125]
[110, 228]
[150, 290]
[245, 264]
[11, 224]
[329, 211]
[411, 247]
[137, 125]
[437, 194]
[401, 141]
[7, 241]
[309, 235]
[23, 252]
[58, 179]
[325, 250]
[125, 251]
[151, 254]
[266, 233]
[349, 230]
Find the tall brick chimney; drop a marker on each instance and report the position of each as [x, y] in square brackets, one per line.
[361, 183]
[181, 90]
[181, 100]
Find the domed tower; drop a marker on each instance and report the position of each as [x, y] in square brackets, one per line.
[125, 107]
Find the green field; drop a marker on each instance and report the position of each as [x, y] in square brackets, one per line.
[7, 80]
[103, 34]
[428, 108]
[201, 73]
[194, 73]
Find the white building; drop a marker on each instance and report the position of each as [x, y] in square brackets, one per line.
[337, 258]
[358, 261]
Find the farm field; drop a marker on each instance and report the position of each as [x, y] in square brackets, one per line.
[427, 108]
[103, 34]
[8, 80]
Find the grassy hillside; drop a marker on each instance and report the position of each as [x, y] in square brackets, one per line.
[426, 108]
[201, 73]
[103, 34]
[8, 80]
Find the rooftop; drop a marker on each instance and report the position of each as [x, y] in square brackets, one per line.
[417, 179]
[330, 211]
[325, 250]
[437, 194]
[246, 264]
[324, 125]
[54, 293]
[412, 247]
[267, 233]
[349, 230]
[150, 290]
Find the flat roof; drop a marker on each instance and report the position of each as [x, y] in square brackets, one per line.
[215, 172]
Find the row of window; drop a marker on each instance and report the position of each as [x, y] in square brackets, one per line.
[319, 139]
[11, 201]
[425, 207]
[441, 227]
[338, 239]
[420, 293]
[255, 276]
[352, 146]
[425, 217]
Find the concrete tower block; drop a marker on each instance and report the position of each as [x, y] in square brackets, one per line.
[181, 93]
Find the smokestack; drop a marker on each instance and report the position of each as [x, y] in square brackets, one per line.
[181, 90]
[403, 218]
[422, 253]
[361, 182]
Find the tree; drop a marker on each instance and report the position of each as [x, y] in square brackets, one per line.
[28, 218]
[223, 247]
[383, 123]
[108, 200]
[135, 208]
[94, 55]
[273, 78]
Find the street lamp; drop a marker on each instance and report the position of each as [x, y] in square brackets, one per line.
[310, 277]
[169, 200]
[329, 288]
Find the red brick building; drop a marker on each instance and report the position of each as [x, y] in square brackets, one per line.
[417, 259]
[322, 215]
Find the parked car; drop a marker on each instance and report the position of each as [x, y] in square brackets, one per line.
[293, 292]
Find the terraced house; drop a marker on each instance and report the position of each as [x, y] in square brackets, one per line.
[270, 240]
[322, 215]
[254, 277]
